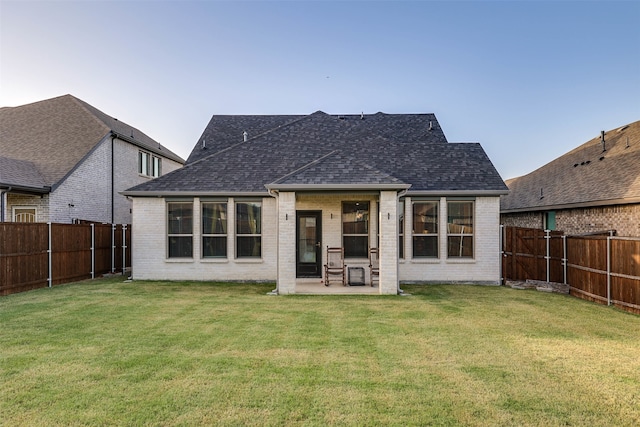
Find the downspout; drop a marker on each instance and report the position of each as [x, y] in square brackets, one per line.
[274, 194]
[2, 204]
[113, 137]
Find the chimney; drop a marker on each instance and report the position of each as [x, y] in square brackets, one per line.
[604, 144]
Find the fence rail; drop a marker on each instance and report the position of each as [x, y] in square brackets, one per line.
[37, 255]
[604, 269]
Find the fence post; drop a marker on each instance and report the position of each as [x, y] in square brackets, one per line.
[547, 238]
[609, 270]
[124, 248]
[113, 248]
[565, 261]
[49, 251]
[93, 251]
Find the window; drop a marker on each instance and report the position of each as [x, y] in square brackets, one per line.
[549, 220]
[425, 229]
[248, 230]
[214, 229]
[355, 229]
[149, 165]
[401, 229]
[24, 214]
[460, 229]
[180, 227]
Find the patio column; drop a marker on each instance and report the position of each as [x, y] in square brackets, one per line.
[388, 229]
[286, 243]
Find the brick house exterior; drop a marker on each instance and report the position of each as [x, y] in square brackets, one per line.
[262, 197]
[593, 188]
[63, 160]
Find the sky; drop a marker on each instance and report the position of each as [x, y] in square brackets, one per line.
[528, 80]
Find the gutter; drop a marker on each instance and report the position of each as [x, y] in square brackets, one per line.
[166, 154]
[592, 204]
[340, 187]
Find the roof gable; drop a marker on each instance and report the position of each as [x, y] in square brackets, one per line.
[590, 174]
[324, 150]
[56, 134]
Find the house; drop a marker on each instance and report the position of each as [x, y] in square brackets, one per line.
[62, 160]
[263, 197]
[593, 188]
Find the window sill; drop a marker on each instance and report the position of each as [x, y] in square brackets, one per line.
[248, 260]
[460, 261]
[425, 261]
[180, 260]
[214, 260]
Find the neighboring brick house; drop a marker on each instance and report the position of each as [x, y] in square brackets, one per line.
[593, 188]
[262, 197]
[62, 160]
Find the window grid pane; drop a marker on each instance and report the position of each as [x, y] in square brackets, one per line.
[214, 230]
[249, 230]
[355, 229]
[425, 230]
[460, 229]
[180, 230]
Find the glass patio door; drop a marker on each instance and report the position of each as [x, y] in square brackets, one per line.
[308, 244]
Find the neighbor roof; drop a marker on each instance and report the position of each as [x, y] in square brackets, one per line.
[592, 174]
[54, 135]
[321, 151]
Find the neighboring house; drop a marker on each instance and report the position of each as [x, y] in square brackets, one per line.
[262, 197]
[593, 188]
[62, 160]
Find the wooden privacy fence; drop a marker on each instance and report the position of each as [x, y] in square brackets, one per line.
[605, 269]
[37, 255]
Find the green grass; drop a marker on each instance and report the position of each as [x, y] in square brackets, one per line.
[106, 352]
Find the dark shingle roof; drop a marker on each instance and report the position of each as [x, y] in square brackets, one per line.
[56, 134]
[21, 173]
[585, 176]
[320, 149]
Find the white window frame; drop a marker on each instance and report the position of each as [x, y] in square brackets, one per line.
[239, 235]
[149, 165]
[435, 234]
[34, 208]
[224, 236]
[462, 233]
[367, 220]
[180, 235]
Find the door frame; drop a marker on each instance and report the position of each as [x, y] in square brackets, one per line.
[300, 267]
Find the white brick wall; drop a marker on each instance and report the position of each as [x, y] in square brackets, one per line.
[150, 243]
[388, 243]
[149, 252]
[127, 176]
[41, 203]
[86, 192]
[483, 268]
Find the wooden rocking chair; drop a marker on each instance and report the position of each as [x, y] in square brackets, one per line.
[374, 265]
[335, 269]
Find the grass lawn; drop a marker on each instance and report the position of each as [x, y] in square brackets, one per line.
[106, 352]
